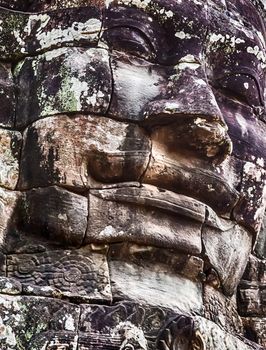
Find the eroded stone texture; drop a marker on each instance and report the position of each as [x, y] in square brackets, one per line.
[252, 289]
[78, 274]
[260, 248]
[7, 96]
[213, 337]
[24, 319]
[255, 329]
[221, 310]
[135, 271]
[10, 148]
[55, 213]
[63, 81]
[139, 224]
[30, 34]
[76, 151]
[8, 205]
[220, 245]
[132, 174]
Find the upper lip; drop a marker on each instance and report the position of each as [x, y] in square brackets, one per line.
[152, 196]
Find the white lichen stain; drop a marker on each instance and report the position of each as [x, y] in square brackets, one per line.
[20, 41]
[69, 323]
[217, 37]
[201, 82]
[142, 4]
[187, 61]
[188, 65]
[171, 106]
[9, 166]
[131, 335]
[239, 41]
[261, 56]
[182, 35]
[88, 30]
[108, 231]
[169, 14]
[50, 55]
[260, 162]
[7, 334]
[252, 171]
[62, 217]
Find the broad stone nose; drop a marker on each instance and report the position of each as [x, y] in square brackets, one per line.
[188, 105]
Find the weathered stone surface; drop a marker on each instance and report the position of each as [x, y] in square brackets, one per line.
[182, 264]
[65, 80]
[10, 147]
[18, 5]
[37, 6]
[28, 34]
[10, 286]
[55, 213]
[8, 210]
[251, 210]
[252, 289]
[72, 151]
[255, 329]
[172, 171]
[260, 248]
[23, 319]
[152, 196]
[77, 274]
[213, 337]
[135, 223]
[221, 310]
[140, 187]
[7, 96]
[227, 251]
[139, 278]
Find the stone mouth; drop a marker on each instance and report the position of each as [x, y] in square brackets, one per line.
[154, 197]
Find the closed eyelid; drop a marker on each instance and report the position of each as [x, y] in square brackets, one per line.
[247, 75]
[144, 36]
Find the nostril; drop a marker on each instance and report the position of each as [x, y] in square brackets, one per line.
[207, 138]
[211, 136]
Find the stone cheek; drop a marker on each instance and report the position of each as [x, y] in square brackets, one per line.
[80, 151]
[63, 81]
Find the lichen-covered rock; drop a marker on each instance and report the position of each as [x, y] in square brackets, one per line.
[132, 174]
[28, 34]
[10, 148]
[7, 96]
[66, 80]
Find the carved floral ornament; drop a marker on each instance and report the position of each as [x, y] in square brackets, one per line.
[132, 173]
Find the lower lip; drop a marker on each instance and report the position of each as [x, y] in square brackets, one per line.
[149, 216]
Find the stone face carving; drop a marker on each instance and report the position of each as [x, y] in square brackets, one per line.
[132, 174]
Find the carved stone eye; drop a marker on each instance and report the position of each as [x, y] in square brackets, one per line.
[130, 40]
[242, 87]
